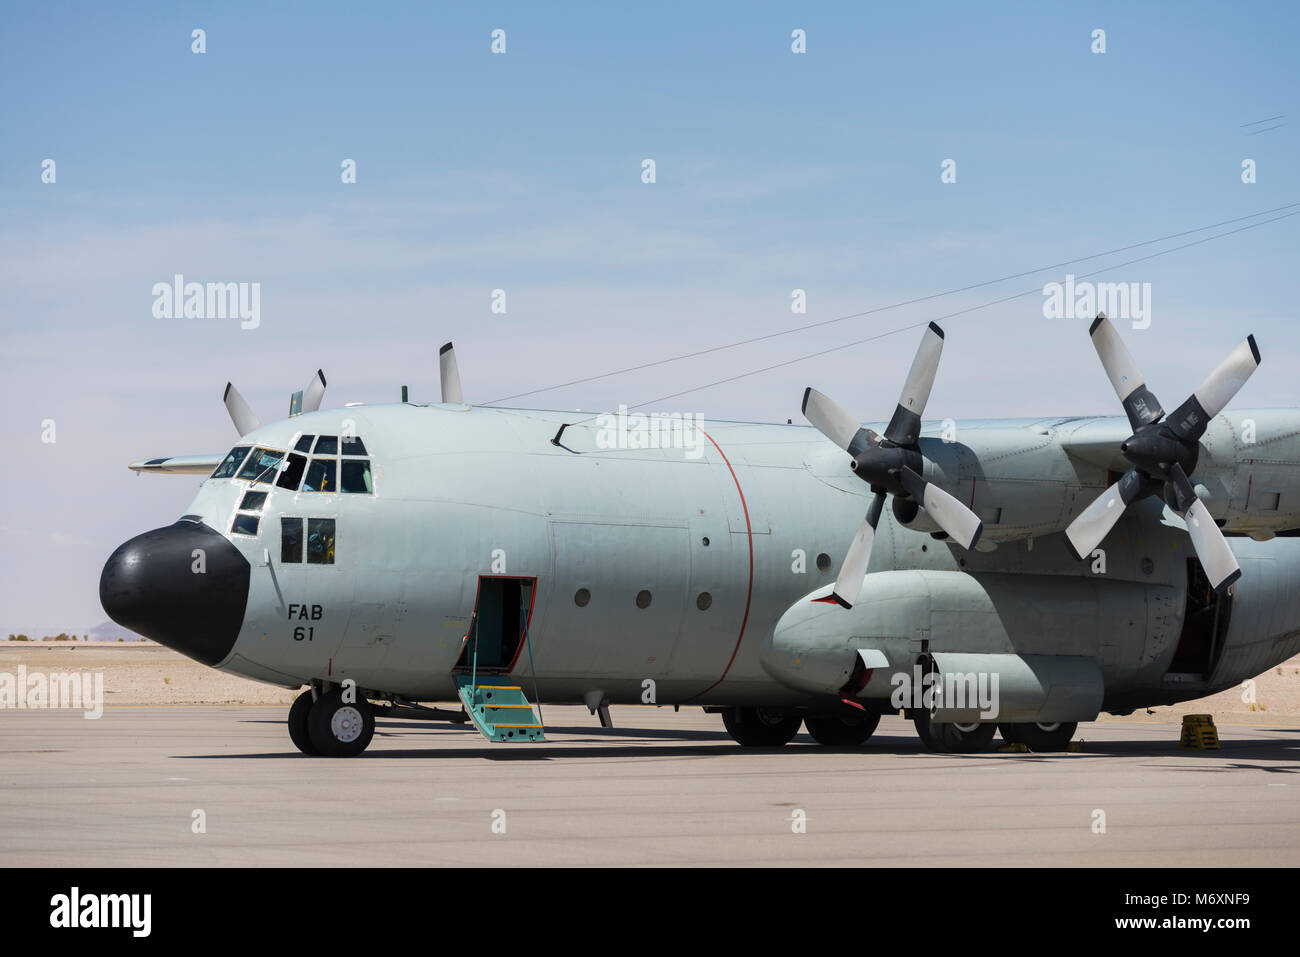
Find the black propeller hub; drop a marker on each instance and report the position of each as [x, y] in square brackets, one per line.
[880, 465]
[1154, 449]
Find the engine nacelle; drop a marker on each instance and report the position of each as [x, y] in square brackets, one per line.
[1034, 646]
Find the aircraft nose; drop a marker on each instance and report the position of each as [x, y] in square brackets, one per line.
[185, 586]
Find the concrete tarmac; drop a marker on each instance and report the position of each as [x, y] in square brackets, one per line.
[661, 789]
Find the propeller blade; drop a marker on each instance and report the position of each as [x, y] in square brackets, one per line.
[831, 420]
[1141, 406]
[1093, 524]
[1211, 547]
[450, 374]
[849, 581]
[905, 426]
[1192, 418]
[241, 413]
[314, 393]
[962, 525]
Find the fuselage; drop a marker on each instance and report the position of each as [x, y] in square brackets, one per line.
[668, 567]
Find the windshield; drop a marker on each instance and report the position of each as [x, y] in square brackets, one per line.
[261, 465]
[231, 462]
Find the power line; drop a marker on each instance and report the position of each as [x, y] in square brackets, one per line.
[959, 312]
[895, 305]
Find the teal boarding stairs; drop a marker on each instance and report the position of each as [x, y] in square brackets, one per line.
[501, 712]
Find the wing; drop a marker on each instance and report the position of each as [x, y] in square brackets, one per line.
[180, 464]
[1097, 442]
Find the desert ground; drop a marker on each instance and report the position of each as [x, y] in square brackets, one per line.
[190, 767]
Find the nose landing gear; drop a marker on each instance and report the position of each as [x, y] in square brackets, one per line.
[298, 732]
[328, 726]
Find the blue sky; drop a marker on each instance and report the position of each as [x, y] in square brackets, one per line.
[521, 171]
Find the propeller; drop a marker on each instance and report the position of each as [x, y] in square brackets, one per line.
[314, 393]
[449, 373]
[1163, 451]
[892, 464]
[241, 413]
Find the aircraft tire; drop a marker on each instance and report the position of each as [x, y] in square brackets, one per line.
[340, 730]
[298, 731]
[944, 737]
[951, 738]
[1010, 732]
[1046, 737]
[759, 728]
[841, 730]
[921, 722]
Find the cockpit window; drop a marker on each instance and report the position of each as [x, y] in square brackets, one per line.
[320, 476]
[292, 473]
[320, 541]
[355, 476]
[253, 501]
[352, 445]
[290, 540]
[231, 462]
[304, 444]
[327, 445]
[261, 465]
[245, 524]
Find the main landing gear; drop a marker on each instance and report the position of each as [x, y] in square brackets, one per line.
[764, 728]
[1040, 737]
[761, 728]
[948, 737]
[328, 726]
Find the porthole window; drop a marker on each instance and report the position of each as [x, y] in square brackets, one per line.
[581, 597]
[704, 601]
[823, 562]
[643, 598]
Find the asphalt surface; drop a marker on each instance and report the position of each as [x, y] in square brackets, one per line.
[660, 789]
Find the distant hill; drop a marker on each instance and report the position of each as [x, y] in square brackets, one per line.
[111, 631]
[105, 631]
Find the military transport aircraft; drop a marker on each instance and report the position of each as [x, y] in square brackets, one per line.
[1030, 573]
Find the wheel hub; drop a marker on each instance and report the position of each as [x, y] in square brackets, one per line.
[346, 724]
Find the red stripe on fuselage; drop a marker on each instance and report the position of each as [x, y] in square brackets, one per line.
[749, 591]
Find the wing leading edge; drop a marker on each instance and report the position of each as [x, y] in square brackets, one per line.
[180, 464]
